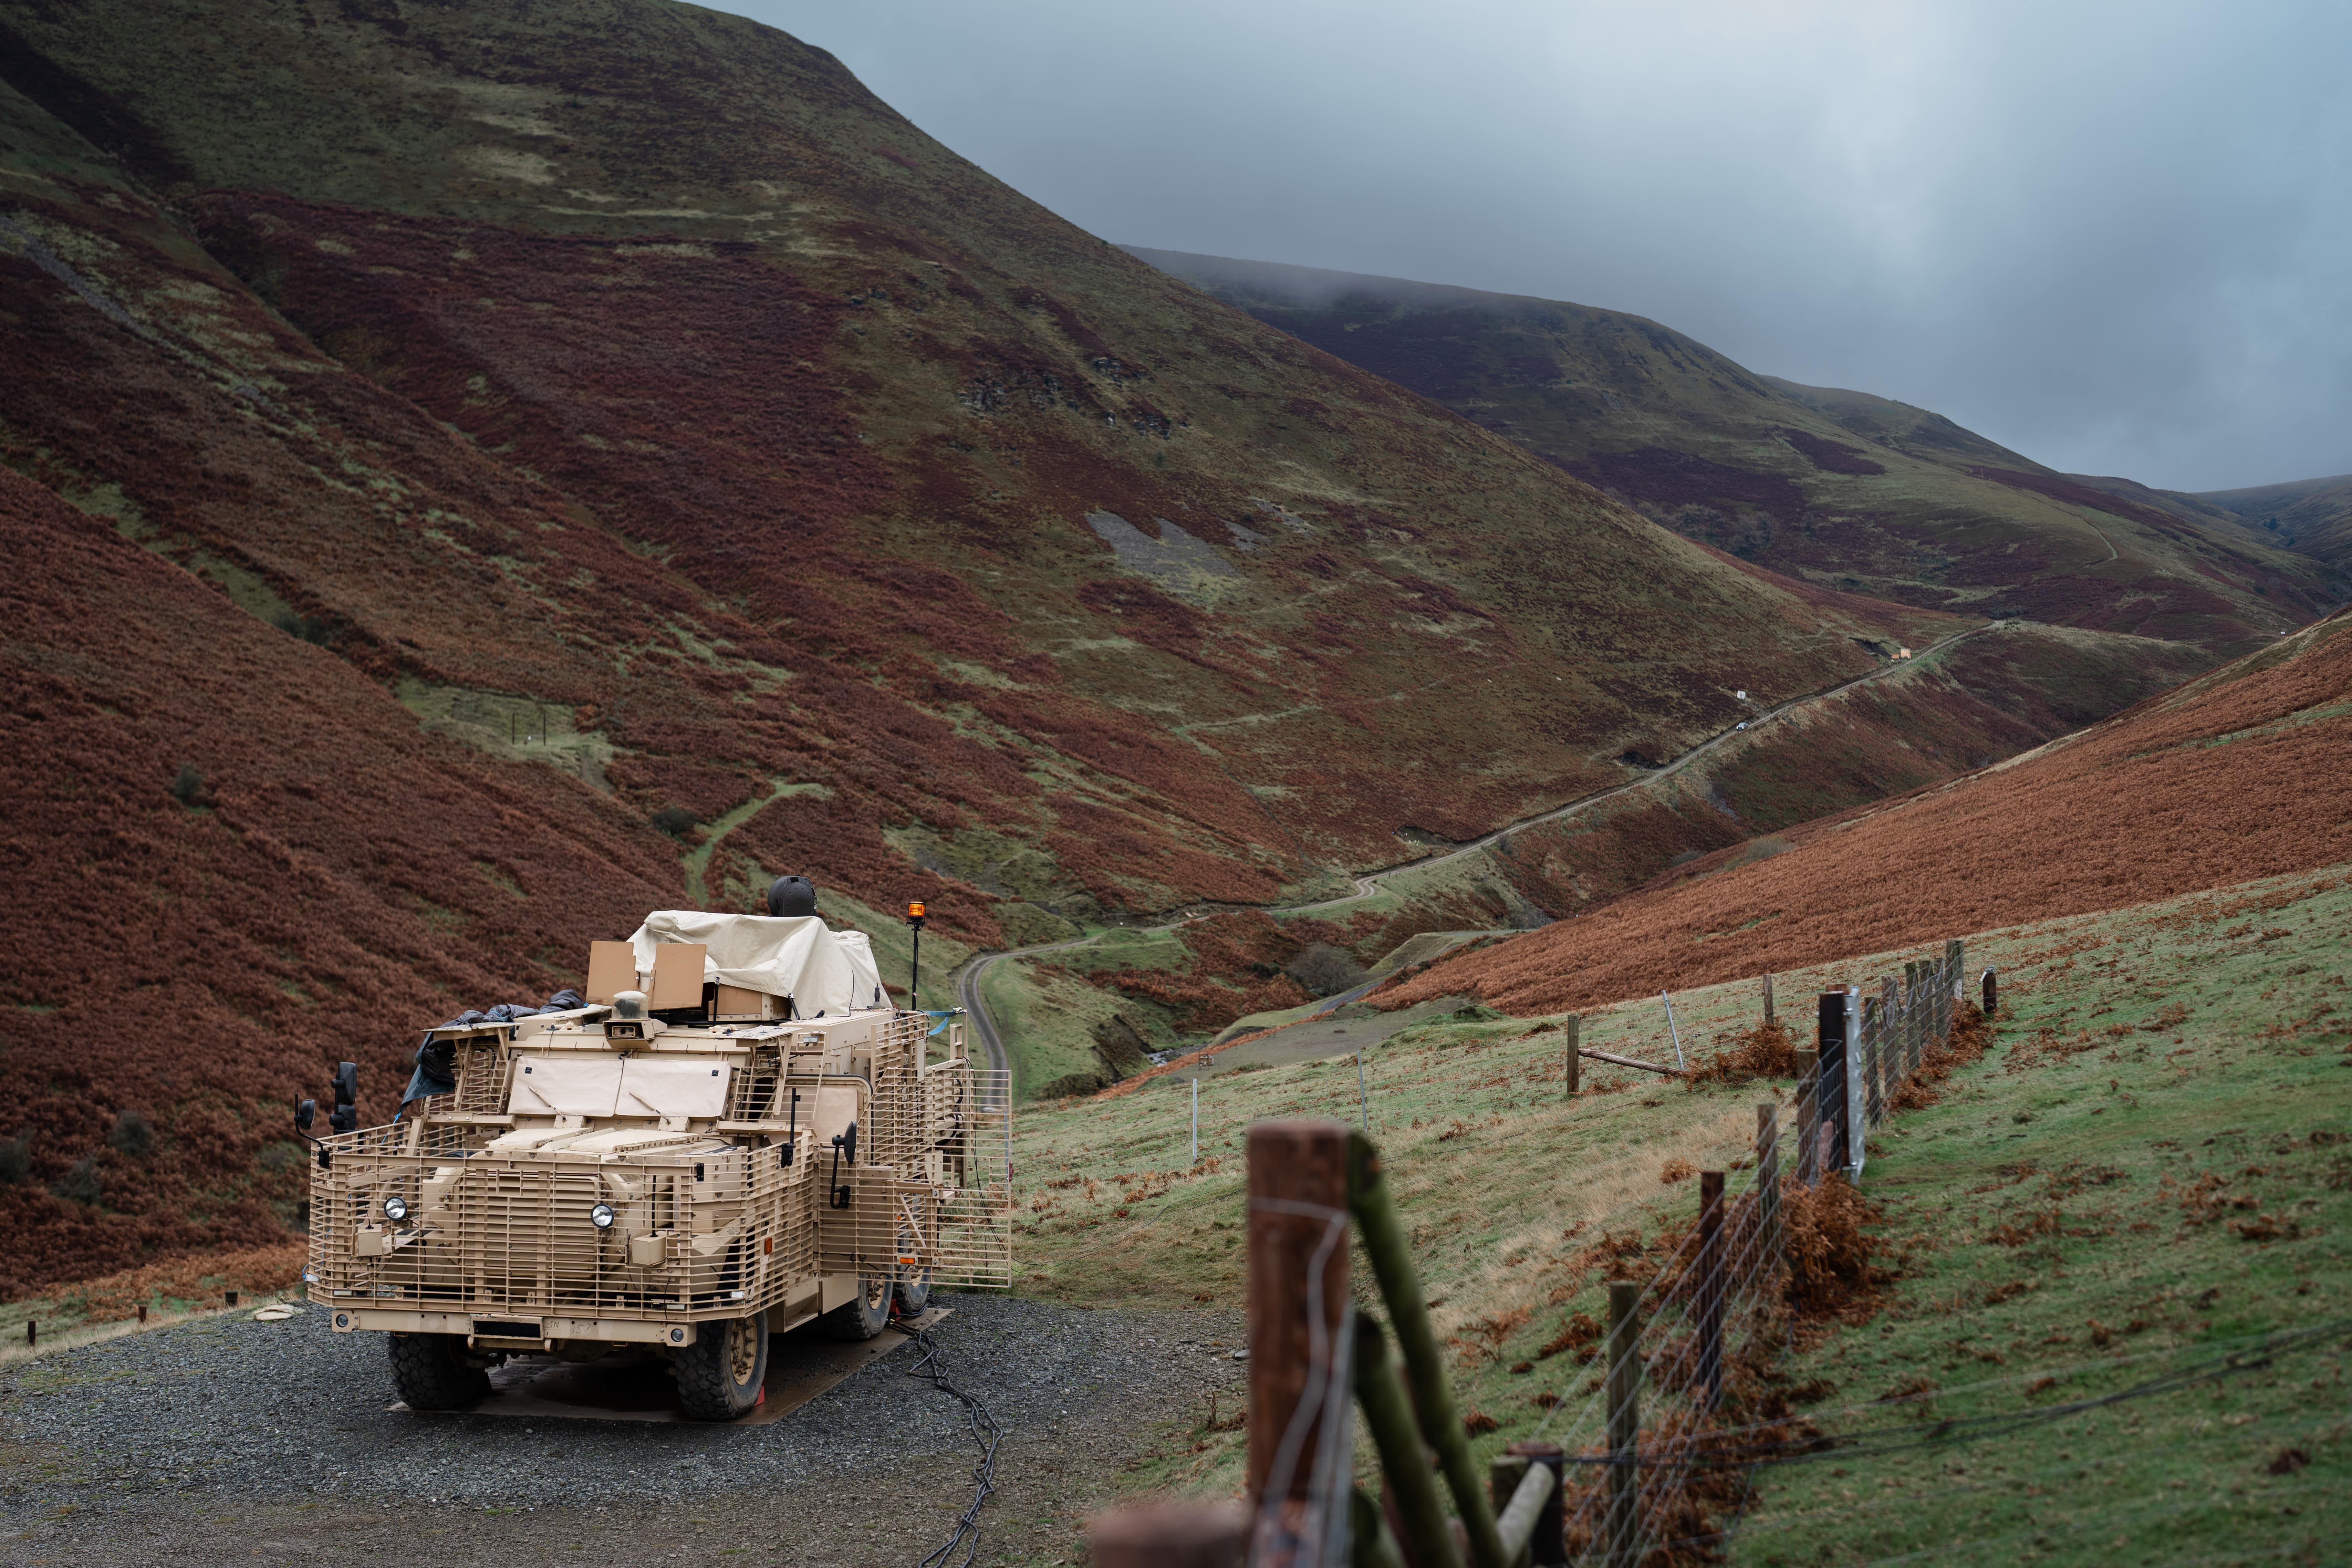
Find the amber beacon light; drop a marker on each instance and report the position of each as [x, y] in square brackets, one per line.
[915, 966]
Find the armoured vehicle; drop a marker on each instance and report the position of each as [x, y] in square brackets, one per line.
[731, 1133]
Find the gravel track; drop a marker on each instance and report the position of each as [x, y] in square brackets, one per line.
[235, 1439]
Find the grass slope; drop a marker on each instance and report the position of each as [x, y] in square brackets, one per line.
[2154, 1067]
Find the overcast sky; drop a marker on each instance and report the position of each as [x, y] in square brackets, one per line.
[2115, 236]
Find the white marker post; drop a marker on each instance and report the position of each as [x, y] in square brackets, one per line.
[1363, 1105]
[1196, 1121]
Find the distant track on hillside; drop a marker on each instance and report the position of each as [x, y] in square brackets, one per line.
[968, 978]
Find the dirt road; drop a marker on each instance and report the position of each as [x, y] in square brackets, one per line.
[968, 979]
[233, 1441]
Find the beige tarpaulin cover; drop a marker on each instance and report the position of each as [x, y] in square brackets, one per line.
[799, 956]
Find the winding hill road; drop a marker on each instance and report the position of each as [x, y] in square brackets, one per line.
[968, 977]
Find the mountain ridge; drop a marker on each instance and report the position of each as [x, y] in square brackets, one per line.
[1924, 510]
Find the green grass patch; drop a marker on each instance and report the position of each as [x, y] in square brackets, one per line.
[2130, 1040]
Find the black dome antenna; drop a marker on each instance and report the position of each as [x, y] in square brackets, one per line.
[791, 896]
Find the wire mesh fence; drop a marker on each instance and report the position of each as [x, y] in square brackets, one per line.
[1650, 1464]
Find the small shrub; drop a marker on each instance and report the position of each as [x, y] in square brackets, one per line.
[675, 821]
[1676, 1170]
[1829, 1267]
[1581, 1334]
[188, 787]
[1765, 1051]
[16, 1159]
[131, 1135]
[1325, 970]
[80, 1184]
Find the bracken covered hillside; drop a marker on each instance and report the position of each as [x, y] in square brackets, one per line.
[2239, 775]
[476, 472]
[1840, 488]
[898, 484]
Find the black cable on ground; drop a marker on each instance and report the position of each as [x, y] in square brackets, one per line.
[985, 1431]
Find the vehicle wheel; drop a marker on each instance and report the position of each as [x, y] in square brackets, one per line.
[914, 1293]
[719, 1374]
[862, 1318]
[431, 1372]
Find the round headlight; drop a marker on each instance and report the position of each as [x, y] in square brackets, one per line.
[601, 1217]
[395, 1209]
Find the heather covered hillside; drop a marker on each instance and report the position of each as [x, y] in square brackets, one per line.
[476, 472]
[233, 859]
[1836, 487]
[882, 463]
[2236, 775]
[473, 475]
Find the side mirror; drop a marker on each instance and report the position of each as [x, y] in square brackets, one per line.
[304, 1114]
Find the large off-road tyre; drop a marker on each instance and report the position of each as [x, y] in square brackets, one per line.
[719, 1374]
[914, 1284]
[864, 1315]
[431, 1372]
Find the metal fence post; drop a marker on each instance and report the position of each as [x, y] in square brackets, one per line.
[1856, 1094]
[1768, 1191]
[1623, 1530]
[1830, 1083]
[1710, 1286]
[1299, 1338]
[1956, 965]
[1809, 1115]
[1913, 1014]
[1890, 1024]
[1877, 1053]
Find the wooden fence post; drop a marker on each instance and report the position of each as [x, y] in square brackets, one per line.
[1298, 1306]
[1573, 1031]
[1768, 1192]
[1768, 997]
[1710, 1286]
[1991, 1002]
[1168, 1535]
[1622, 1530]
[1549, 1547]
